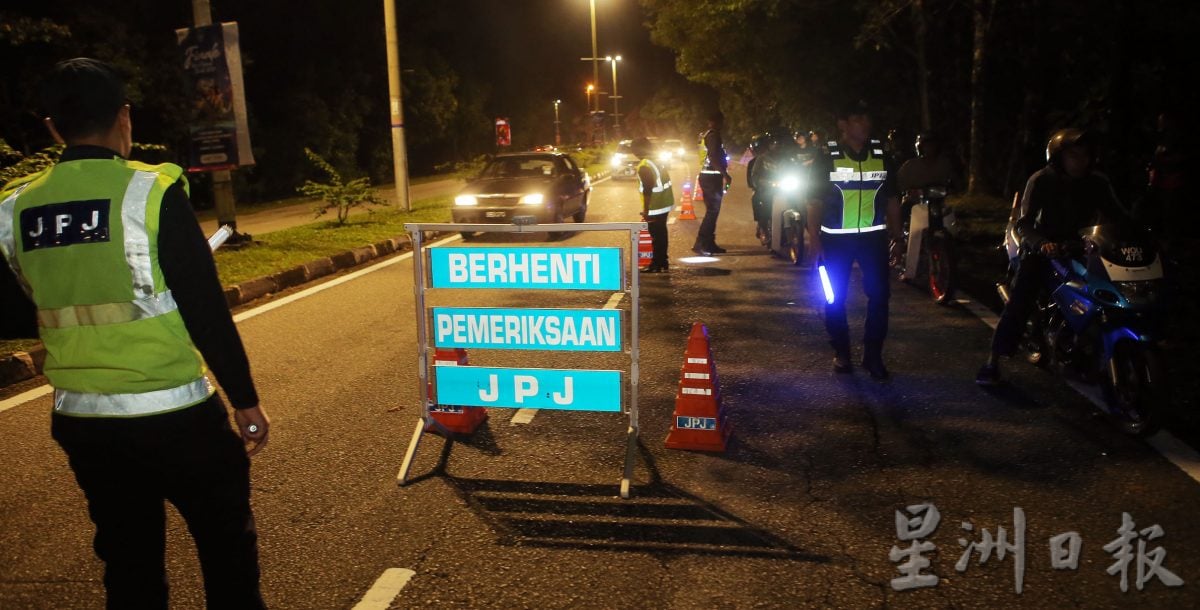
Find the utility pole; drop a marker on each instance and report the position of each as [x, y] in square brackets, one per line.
[223, 197]
[399, 151]
[615, 97]
[595, 56]
[557, 135]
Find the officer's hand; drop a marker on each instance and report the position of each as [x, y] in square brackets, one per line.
[1051, 250]
[728, 181]
[253, 425]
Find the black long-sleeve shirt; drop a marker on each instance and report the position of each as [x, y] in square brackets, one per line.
[188, 268]
[1055, 207]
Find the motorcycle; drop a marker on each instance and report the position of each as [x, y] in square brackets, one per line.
[937, 242]
[783, 229]
[1099, 320]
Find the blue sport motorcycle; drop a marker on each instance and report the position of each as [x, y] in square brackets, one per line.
[1099, 322]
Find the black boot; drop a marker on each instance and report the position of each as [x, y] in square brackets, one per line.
[841, 359]
[873, 362]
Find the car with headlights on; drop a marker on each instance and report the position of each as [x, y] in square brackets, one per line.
[623, 162]
[548, 186]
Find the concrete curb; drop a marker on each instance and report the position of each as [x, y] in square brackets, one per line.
[25, 365]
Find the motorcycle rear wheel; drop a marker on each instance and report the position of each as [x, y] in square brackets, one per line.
[939, 253]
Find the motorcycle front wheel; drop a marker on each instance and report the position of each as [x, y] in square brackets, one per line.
[939, 252]
[1133, 387]
[793, 243]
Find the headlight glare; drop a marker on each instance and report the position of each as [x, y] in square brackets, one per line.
[532, 199]
[466, 200]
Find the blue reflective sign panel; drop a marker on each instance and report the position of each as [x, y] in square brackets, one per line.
[572, 390]
[579, 330]
[527, 268]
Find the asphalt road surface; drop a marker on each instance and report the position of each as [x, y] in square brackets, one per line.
[800, 512]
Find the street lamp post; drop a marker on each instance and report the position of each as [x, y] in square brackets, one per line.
[595, 56]
[557, 135]
[588, 93]
[615, 97]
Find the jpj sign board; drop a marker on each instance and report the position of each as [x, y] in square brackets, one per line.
[527, 268]
[577, 330]
[572, 390]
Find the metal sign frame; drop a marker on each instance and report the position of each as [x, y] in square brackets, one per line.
[426, 421]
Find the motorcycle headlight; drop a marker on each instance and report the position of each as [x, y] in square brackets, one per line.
[789, 183]
[532, 199]
[1139, 293]
[466, 200]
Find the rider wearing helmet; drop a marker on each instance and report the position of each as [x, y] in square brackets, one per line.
[929, 168]
[778, 158]
[1060, 200]
[758, 147]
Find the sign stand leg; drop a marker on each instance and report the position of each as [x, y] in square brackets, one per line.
[423, 424]
[631, 444]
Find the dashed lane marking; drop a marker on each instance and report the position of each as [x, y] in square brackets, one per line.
[385, 589]
[1176, 451]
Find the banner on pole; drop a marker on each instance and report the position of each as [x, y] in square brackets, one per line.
[212, 64]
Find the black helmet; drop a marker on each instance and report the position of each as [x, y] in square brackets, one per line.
[758, 143]
[1063, 139]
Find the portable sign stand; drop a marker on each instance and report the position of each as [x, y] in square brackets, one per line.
[427, 422]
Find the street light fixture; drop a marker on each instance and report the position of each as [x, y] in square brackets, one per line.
[615, 98]
[588, 91]
[557, 136]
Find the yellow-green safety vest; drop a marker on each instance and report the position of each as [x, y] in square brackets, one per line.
[82, 238]
[662, 198]
[852, 206]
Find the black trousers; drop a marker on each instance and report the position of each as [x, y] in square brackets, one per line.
[870, 250]
[128, 467]
[657, 226]
[713, 188]
[1031, 278]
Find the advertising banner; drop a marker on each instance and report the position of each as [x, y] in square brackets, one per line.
[503, 133]
[212, 65]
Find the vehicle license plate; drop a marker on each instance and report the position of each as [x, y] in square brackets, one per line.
[495, 214]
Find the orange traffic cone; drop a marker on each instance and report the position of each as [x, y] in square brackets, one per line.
[463, 420]
[687, 210]
[698, 423]
[645, 249]
[687, 191]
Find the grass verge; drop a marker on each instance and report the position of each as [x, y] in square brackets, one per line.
[281, 250]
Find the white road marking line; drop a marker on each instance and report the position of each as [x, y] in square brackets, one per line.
[40, 391]
[671, 220]
[25, 397]
[385, 590]
[525, 416]
[1176, 451]
[246, 315]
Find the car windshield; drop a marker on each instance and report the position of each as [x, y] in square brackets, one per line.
[519, 167]
[625, 148]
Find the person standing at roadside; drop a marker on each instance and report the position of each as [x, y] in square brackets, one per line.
[853, 211]
[714, 180]
[657, 201]
[125, 297]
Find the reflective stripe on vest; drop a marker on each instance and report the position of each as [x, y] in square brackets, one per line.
[8, 240]
[79, 404]
[662, 197]
[107, 313]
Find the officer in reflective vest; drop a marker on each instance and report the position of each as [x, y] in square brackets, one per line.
[854, 211]
[657, 201]
[130, 310]
[714, 179]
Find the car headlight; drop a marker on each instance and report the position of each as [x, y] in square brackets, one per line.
[789, 183]
[664, 156]
[532, 199]
[680, 152]
[466, 200]
[616, 160]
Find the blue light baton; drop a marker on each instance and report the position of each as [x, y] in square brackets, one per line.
[825, 284]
